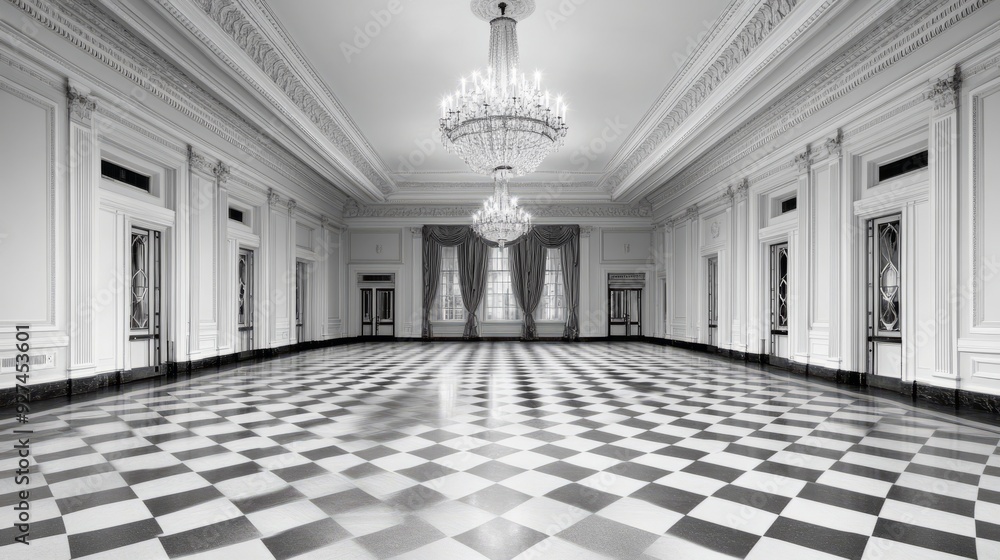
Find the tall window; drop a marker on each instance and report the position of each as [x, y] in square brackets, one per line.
[553, 304]
[449, 305]
[500, 302]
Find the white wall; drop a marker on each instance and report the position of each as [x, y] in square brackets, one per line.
[951, 273]
[64, 229]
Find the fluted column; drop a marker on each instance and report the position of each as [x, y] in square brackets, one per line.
[84, 175]
[800, 253]
[943, 167]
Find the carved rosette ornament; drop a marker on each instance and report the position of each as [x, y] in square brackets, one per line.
[272, 198]
[81, 104]
[944, 91]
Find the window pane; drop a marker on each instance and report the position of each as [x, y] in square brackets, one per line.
[553, 304]
[140, 281]
[888, 276]
[449, 300]
[500, 302]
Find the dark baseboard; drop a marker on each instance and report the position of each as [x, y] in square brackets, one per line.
[954, 398]
[168, 371]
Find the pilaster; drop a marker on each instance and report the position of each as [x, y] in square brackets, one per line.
[84, 176]
[943, 168]
[799, 284]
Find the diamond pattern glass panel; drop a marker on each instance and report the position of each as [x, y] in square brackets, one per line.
[139, 316]
[243, 270]
[888, 276]
[781, 287]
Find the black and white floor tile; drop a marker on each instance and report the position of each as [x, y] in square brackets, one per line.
[502, 450]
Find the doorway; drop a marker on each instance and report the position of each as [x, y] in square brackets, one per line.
[885, 354]
[779, 302]
[301, 299]
[625, 304]
[144, 304]
[245, 303]
[713, 301]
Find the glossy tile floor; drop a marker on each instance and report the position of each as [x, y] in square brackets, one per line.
[503, 450]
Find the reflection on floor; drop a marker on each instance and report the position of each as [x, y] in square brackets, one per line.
[502, 450]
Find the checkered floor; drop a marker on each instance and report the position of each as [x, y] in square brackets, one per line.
[503, 450]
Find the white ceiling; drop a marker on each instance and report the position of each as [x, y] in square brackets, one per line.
[611, 60]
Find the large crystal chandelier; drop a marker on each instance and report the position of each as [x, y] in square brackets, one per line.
[501, 123]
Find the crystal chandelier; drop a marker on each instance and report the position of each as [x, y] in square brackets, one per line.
[501, 123]
[501, 220]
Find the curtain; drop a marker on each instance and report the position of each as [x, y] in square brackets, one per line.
[527, 275]
[567, 240]
[473, 263]
[432, 278]
[527, 272]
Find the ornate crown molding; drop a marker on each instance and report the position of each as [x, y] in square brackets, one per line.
[944, 91]
[81, 104]
[354, 209]
[764, 21]
[908, 27]
[246, 33]
[87, 27]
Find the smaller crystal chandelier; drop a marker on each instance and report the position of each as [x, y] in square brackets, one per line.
[500, 219]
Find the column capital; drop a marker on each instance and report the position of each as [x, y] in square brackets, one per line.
[273, 199]
[81, 103]
[292, 205]
[944, 91]
[834, 145]
[804, 160]
[221, 172]
[585, 231]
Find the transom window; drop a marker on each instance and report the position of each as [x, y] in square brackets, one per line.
[553, 304]
[500, 302]
[449, 304]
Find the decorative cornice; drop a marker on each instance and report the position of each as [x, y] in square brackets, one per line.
[354, 209]
[764, 21]
[944, 91]
[246, 33]
[88, 28]
[908, 27]
[81, 104]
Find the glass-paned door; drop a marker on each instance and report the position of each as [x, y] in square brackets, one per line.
[144, 302]
[779, 301]
[713, 301]
[625, 311]
[385, 312]
[301, 295]
[367, 305]
[244, 301]
[884, 286]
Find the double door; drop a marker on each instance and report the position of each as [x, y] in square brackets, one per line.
[378, 311]
[625, 312]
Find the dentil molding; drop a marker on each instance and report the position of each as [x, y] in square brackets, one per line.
[354, 209]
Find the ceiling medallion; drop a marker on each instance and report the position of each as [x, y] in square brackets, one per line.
[501, 123]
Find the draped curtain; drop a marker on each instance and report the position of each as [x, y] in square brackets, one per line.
[527, 260]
